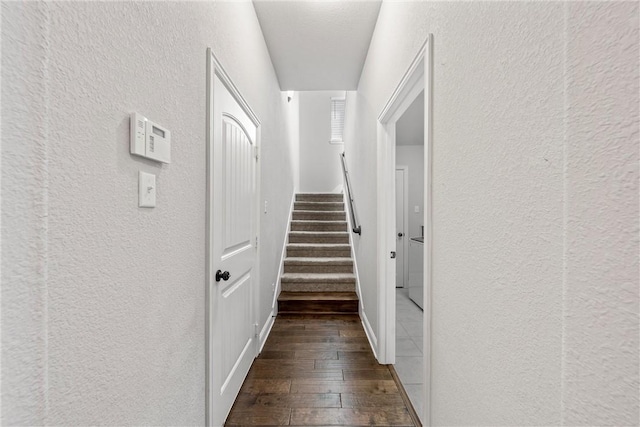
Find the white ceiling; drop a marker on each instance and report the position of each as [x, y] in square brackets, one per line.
[410, 126]
[318, 45]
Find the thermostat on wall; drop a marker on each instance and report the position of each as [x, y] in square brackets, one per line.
[149, 139]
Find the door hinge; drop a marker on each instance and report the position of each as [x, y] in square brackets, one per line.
[393, 254]
[255, 329]
[255, 153]
[256, 242]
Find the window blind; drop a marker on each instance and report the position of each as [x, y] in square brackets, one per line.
[337, 119]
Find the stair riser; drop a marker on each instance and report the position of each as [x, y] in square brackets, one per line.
[318, 253]
[310, 206]
[319, 198]
[318, 216]
[310, 268]
[317, 307]
[318, 287]
[319, 239]
[315, 226]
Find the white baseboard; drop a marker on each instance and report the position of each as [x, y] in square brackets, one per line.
[266, 330]
[353, 255]
[371, 336]
[276, 291]
[355, 271]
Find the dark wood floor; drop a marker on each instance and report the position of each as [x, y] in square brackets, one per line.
[319, 370]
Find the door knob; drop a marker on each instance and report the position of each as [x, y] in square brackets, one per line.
[220, 275]
[400, 234]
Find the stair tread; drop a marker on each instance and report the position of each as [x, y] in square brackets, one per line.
[342, 286]
[310, 211]
[318, 276]
[317, 212]
[322, 233]
[315, 194]
[319, 260]
[319, 225]
[318, 296]
[319, 245]
[319, 215]
[318, 220]
[307, 202]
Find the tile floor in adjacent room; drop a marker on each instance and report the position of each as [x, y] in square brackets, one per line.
[409, 318]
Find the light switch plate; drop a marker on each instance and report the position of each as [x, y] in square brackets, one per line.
[146, 190]
[416, 209]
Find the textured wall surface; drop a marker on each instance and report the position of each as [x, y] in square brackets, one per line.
[600, 340]
[103, 310]
[320, 170]
[361, 158]
[535, 175]
[24, 214]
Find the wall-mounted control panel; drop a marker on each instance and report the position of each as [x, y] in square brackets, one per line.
[149, 139]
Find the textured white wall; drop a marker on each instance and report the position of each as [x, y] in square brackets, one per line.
[412, 156]
[600, 304]
[293, 110]
[320, 170]
[361, 158]
[103, 302]
[24, 208]
[535, 175]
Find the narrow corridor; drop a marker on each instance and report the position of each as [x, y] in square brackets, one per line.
[158, 272]
[319, 370]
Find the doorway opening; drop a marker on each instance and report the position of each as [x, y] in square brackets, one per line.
[415, 87]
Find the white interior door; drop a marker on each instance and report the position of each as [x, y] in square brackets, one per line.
[400, 228]
[232, 249]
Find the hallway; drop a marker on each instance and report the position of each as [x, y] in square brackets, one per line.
[115, 266]
[319, 370]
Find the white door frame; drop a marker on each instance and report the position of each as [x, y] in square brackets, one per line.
[405, 237]
[214, 68]
[418, 77]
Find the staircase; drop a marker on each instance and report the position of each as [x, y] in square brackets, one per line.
[318, 269]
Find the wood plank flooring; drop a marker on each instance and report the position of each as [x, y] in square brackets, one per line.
[319, 370]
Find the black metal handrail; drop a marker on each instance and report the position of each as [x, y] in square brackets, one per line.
[352, 209]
